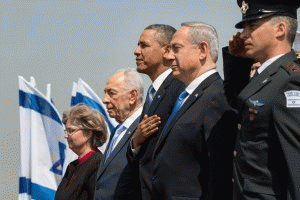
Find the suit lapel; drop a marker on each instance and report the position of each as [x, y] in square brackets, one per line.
[265, 77]
[187, 104]
[118, 148]
[159, 95]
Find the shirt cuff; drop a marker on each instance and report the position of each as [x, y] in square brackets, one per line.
[136, 150]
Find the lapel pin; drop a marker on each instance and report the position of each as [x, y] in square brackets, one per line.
[196, 95]
[158, 96]
[265, 81]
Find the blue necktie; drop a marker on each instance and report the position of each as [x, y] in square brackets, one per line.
[149, 98]
[177, 106]
[117, 133]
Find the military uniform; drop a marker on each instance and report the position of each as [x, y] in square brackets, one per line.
[268, 142]
[267, 157]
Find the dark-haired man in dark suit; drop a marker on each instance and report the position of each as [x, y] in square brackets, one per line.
[150, 53]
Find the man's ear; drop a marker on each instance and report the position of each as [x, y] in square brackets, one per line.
[203, 50]
[281, 30]
[166, 49]
[133, 96]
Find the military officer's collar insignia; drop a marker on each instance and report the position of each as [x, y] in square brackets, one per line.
[293, 68]
[256, 102]
[244, 7]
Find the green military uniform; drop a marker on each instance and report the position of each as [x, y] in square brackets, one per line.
[267, 160]
[268, 143]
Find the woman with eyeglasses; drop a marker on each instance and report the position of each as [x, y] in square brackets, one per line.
[85, 132]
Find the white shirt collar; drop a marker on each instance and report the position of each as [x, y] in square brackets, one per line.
[127, 123]
[160, 79]
[195, 83]
[268, 63]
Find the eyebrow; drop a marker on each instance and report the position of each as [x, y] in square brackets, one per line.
[143, 42]
[176, 43]
[110, 90]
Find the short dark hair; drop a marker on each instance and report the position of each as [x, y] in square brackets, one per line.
[164, 33]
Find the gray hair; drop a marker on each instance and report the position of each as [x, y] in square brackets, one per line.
[164, 33]
[292, 26]
[90, 120]
[199, 32]
[133, 80]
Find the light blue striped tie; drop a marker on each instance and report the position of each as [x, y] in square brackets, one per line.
[113, 141]
[177, 106]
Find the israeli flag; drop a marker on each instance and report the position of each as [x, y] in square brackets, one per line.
[42, 144]
[83, 93]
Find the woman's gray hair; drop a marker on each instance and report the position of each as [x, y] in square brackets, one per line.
[199, 32]
[133, 81]
[90, 120]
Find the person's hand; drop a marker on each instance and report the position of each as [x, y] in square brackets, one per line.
[254, 68]
[236, 46]
[145, 129]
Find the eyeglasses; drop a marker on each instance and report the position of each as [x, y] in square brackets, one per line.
[70, 131]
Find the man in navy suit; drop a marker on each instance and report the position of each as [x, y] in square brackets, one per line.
[153, 45]
[123, 98]
[193, 155]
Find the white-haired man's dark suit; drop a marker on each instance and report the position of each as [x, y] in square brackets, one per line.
[112, 168]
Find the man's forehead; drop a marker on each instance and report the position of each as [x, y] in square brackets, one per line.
[115, 80]
[180, 35]
[148, 34]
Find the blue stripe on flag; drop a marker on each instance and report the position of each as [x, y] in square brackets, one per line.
[36, 191]
[92, 103]
[38, 104]
[73, 101]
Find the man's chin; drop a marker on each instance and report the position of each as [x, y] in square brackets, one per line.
[111, 114]
[140, 69]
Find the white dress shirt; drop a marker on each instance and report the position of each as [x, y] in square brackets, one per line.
[127, 123]
[196, 82]
[160, 79]
[268, 63]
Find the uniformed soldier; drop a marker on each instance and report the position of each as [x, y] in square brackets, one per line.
[267, 160]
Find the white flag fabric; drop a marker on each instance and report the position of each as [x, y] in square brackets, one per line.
[43, 146]
[83, 93]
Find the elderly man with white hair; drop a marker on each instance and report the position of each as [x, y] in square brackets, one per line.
[123, 98]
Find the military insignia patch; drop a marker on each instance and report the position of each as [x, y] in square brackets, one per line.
[292, 99]
[244, 7]
[293, 68]
[256, 102]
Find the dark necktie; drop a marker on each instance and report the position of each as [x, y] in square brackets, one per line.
[149, 98]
